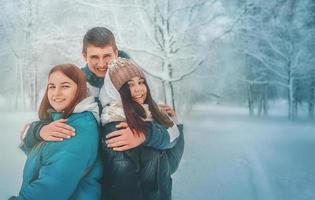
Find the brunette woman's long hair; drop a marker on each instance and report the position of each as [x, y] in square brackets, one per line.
[77, 76]
[135, 113]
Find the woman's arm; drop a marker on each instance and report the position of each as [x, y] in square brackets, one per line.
[159, 137]
[30, 136]
[175, 154]
[51, 131]
[63, 165]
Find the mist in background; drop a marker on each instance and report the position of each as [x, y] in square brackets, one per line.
[240, 74]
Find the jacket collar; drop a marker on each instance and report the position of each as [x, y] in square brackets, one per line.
[92, 78]
[87, 104]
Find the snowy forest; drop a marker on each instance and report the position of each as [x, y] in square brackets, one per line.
[245, 52]
[239, 73]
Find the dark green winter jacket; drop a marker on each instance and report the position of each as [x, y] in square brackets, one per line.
[142, 173]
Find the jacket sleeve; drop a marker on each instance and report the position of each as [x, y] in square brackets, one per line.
[32, 136]
[64, 166]
[158, 137]
[175, 154]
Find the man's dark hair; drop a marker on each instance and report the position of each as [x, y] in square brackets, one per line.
[99, 37]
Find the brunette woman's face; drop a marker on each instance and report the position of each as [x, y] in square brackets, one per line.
[138, 89]
[61, 90]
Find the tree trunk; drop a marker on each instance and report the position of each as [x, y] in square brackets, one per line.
[21, 98]
[173, 95]
[295, 110]
[168, 93]
[311, 110]
[260, 105]
[265, 100]
[250, 100]
[311, 100]
[291, 101]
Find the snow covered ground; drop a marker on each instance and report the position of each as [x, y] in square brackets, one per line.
[11, 158]
[228, 156]
[231, 156]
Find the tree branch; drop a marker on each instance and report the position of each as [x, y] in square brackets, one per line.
[144, 51]
[264, 82]
[227, 30]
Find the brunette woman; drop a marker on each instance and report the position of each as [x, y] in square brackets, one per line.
[142, 172]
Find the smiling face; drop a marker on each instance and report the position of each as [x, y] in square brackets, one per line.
[61, 90]
[98, 58]
[138, 89]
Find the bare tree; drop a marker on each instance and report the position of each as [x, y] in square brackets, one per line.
[279, 47]
[172, 29]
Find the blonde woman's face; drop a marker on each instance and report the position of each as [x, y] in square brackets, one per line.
[61, 90]
[138, 89]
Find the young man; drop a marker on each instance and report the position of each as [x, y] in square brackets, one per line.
[99, 48]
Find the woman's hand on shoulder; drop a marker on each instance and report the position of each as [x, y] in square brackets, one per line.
[167, 110]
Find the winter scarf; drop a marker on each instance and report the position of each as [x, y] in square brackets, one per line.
[91, 78]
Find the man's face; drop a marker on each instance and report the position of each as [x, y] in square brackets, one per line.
[98, 58]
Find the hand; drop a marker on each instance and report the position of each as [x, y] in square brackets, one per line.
[124, 139]
[56, 131]
[167, 109]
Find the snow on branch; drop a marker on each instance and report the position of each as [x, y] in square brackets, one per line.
[264, 62]
[230, 29]
[144, 51]
[190, 7]
[189, 72]
[105, 5]
[192, 70]
[154, 74]
[264, 82]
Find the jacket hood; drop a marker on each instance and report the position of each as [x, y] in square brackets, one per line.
[88, 104]
[114, 112]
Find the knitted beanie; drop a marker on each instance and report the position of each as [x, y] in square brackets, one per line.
[123, 70]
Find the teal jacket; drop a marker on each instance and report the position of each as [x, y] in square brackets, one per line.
[65, 170]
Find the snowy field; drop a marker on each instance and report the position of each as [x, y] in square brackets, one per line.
[12, 159]
[228, 156]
